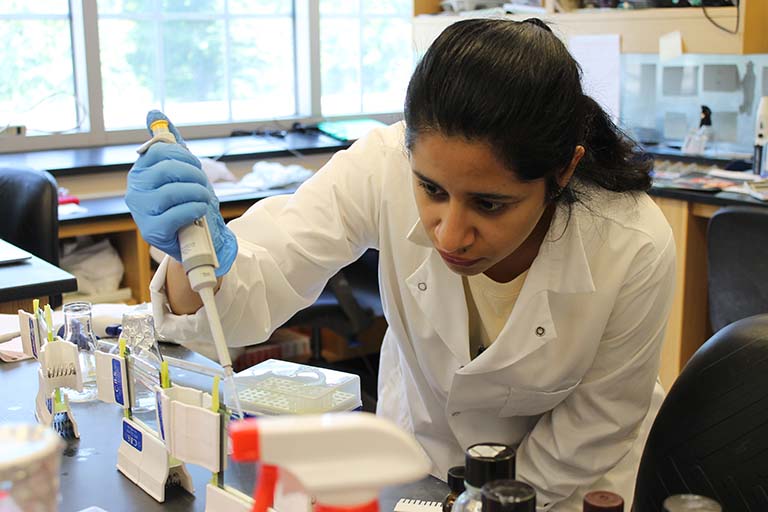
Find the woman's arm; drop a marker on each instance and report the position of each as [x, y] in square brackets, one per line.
[587, 434]
[288, 248]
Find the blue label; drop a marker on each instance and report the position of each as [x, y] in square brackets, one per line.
[117, 381]
[132, 436]
[160, 414]
[33, 337]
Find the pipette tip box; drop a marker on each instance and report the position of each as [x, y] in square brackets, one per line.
[275, 387]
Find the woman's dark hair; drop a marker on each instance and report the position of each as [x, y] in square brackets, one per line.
[515, 86]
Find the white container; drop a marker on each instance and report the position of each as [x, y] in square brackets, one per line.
[30, 457]
[275, 387]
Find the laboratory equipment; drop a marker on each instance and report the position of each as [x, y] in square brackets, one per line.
[760, 156]
[329, 456]
[508, 496]
[455, 482]
[30, 456]
[143, 456]
[78, 330]
[59, 369]
[138, 330]
[31, 330]
[198, 256]
[484, 462]
[691, 503]
[603, 501]
[696, 142]
[275, 387]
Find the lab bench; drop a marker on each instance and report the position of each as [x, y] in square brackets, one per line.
[34, 278]
[88, 476]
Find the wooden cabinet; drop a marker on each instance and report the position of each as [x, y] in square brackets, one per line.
[640, 29]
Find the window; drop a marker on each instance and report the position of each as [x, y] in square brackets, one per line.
[205, 61]
[366, 55]
[215, 65]
[38, 86]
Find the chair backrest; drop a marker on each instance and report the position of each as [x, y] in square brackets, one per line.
[29, 212]
[737, 260]
[711, 434]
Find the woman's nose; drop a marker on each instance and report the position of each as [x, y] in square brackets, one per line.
[454, 233]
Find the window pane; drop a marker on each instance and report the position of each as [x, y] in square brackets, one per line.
[387, 63]
[38, 55]
[200, 6]
[34, 7]
[339, 7]
[340, 66]
[390, 7]
[262, 68]
[194, 71]
[126, 6]
[184, 62]
[260, 7]
[128, 63]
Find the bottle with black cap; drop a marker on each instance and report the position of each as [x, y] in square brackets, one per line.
[603, 501]
[691, 503]
[484, 462]
[508, 496]
[456, 485]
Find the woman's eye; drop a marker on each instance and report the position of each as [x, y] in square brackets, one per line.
[429, 188]
[490, 206]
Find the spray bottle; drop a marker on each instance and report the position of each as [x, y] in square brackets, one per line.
[343, 460]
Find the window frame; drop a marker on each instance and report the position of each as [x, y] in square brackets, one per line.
[88, 88]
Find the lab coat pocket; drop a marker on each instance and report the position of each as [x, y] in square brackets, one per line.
[525, 402]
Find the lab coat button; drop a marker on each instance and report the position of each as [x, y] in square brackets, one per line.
[540, 331]
[455, 413]
[422, 286]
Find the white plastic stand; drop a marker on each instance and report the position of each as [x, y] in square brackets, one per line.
[226, 500]
[32, 338]
[44, 404]
[59, 368]
[143, 458]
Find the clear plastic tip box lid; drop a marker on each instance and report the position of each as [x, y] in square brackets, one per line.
[276, 387]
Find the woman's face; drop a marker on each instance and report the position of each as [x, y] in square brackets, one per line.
[476, 211]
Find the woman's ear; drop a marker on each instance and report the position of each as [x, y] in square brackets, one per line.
[566, 174]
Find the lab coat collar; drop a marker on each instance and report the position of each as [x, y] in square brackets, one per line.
[562, 265]
[418, 235]
[439, 293]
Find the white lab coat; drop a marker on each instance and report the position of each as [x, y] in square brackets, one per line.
[572, 378]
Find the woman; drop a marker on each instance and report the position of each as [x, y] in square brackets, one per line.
[525, 275]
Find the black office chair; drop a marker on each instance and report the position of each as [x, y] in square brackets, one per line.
[29, 212]
[737, 253]
[711, 434]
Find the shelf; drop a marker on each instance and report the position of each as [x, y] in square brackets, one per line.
[640, 29]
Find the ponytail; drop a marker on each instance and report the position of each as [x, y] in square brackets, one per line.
[611, 160]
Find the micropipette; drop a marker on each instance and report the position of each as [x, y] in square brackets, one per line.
[198, 257]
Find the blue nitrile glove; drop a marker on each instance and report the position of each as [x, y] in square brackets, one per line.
[167, 190]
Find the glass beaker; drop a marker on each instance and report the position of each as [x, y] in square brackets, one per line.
[139, 334]
[78, 329]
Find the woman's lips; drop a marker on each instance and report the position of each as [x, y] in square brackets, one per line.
[461, 262]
